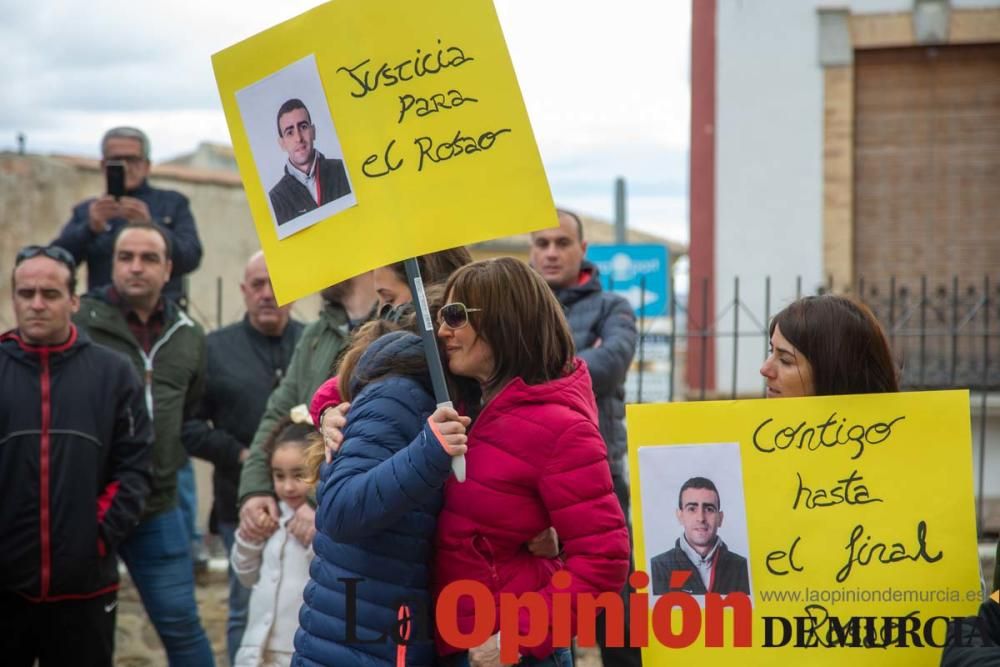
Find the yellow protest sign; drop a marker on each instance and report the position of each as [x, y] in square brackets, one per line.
[369, 132]
[848, 522]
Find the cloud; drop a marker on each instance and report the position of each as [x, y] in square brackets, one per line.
[595, 73]
[642, 165]
[592, 68]
[606, 85]
[663, 215]
[73, 61]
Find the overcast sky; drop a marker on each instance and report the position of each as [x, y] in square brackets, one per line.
[606, 85]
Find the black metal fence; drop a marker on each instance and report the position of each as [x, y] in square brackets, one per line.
[943, 333]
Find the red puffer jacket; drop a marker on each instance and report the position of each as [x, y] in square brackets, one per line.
[535, 459]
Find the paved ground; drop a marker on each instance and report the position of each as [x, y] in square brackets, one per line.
[137, 645]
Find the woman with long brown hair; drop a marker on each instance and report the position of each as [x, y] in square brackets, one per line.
[828, 345]
[535, 455]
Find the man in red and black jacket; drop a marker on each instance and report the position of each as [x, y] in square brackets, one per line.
[75, 447]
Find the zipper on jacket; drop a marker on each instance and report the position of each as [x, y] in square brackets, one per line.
[43, 467]
[147, 359]
[486, 552]
[45, 453]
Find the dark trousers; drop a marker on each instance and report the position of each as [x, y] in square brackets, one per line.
[69, 632]
[625, 656]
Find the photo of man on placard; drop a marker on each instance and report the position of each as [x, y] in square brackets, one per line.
[310, 179]
[699, 550]
[304, 175]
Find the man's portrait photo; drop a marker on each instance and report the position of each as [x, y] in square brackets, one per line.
[310, 179]
[694, 519]
[700, 550]
[295, 147]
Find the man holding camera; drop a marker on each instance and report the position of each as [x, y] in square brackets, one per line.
[89, 234]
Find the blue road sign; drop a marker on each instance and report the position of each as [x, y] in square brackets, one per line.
[627, 269]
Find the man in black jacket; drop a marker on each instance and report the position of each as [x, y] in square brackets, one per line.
[75, 446]
[604, 332]
[975, 641]
[711, 566]
[90, 233]
[310, 179]
[246, 361]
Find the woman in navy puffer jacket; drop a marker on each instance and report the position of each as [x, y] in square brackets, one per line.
[377, 506]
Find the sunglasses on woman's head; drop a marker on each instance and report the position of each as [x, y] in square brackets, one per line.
[455, 315]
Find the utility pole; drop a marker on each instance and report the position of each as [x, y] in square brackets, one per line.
[620, 210]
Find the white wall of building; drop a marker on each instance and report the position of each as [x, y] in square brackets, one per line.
[768, 167]
[769, 192]
[769, 162]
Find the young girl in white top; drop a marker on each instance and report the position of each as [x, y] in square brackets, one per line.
[277, 569]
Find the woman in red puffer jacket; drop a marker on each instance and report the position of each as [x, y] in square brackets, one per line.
[535, 457]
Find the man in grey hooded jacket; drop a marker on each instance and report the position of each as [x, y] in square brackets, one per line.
[604, 332]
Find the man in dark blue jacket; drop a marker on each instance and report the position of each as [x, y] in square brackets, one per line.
[603, 327]
[89, 235]
[75, 449]
[604, 332]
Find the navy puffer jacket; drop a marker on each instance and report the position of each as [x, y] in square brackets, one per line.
[377, 507]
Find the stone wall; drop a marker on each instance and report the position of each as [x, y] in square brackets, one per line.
[37, 194]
